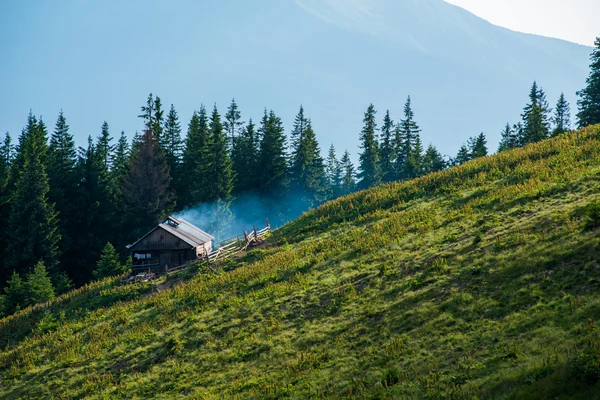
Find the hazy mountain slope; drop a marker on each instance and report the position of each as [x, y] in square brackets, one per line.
[481, 280]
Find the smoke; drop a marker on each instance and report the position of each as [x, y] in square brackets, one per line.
[244, 213]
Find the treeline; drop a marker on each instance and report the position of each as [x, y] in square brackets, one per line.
[64, 207]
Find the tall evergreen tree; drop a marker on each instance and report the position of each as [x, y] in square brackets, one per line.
[33, 225]
[172, 146]
[153, 117]
[404, 141]
[589, 97]
[478, 146]
[221, 173]
[509, 139]
[333, 172]
[33, 136]
[535, 116]
[348, 184]
[147, 187]
[104, 147]
[63, 180]
[233, 122]
[6, 158]
[562, 116]
[120, 166]
[307, 170]
[195, 176]
[433, 160]
[273, 167]
[519, 132]
[414, 165]
[96, 217]
[369, 163]
[386, 149]
[244, 157]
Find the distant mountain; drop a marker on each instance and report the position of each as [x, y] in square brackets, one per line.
[465, 74]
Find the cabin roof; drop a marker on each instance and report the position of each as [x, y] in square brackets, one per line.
[183, 230]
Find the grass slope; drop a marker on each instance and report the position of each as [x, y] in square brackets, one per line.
[481, 281]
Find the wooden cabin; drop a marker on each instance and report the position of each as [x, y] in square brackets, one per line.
[172, 243]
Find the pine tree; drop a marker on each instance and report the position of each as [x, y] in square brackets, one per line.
[509, 139]
[404, 140]
[33, 136]
[273, 167]
[348, 175]
[562, 116]
[221, 172]
[15, 294]
[535, 116]
[463, 155]
[233, 122]
[120, 161]
[478, 147]
[109, 263]
[589, 97]
[307, 170]
[369, 166]
[387, 149]
[333, 172]
[63, 181]
[519, 133]
[195, 176]
[433, 160]
[244, 157]
[6, 159]
[38, 286]
[147, 187]
[172, 146]
[97, 220]
[120, 166]
[104, 148]
[153, 117]
[414, 165]
[33, 225]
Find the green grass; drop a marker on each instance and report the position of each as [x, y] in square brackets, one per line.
[479, 282]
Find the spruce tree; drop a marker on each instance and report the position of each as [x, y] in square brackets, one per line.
[348, 184]
[195, 176]
[562, 116]
[63, 181]
[478, 146]
[519, 134]
[273, 168]
[33, 136]
[38, 286]
[535, 116]
[97, 218]
[6, 159]
[333, 172]
[33, 224]
[589, 97]
[147, 187]
[433, 160]
[509, 139]
[463, 155]
[233, 122]
[104, 147]
[172, 146]
[414, 165]
[369, 163]
[404, 140]
[153, 117]
[109, 263]
[244, 157]
[221, 172]
[15, 294]
[307, 170]
[387, 148]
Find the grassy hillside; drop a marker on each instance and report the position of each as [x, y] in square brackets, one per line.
[477, 282]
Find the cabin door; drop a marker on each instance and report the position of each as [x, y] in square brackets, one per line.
[165, 259]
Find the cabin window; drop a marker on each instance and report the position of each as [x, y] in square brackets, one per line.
[138, 256]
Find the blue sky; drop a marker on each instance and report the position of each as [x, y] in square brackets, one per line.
[98, 60]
